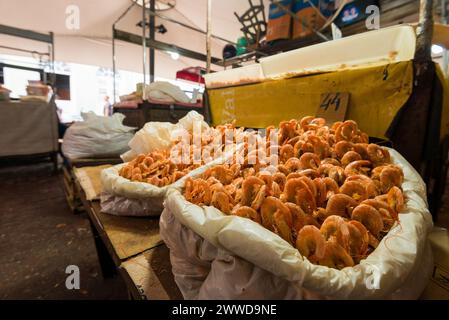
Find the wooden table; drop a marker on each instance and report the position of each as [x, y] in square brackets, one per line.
[70, 188]
[132, 246]
[156, 111]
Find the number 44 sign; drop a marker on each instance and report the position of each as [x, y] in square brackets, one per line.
[333, 106]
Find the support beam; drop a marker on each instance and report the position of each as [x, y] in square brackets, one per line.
[27, 34]
[144, 44]
[424, 32]
[158, 45]
[152, 37]
[209, 34]
[114, 61]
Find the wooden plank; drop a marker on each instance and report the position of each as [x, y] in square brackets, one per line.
[67, 176]
[78, 163]
[149, 275]
[128, 236]
[123, 236]
[388, 5]
[136, 249]
[406, 11]
[89, 178]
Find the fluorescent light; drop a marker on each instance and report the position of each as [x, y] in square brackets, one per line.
[174, 55]
[436, 49]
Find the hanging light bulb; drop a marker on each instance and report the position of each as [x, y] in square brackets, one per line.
[174, 55]
[437, 50]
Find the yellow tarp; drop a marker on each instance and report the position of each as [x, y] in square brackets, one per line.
[377, 93]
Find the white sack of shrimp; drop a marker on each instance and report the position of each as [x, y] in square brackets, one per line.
[335, 218]
[138, 187]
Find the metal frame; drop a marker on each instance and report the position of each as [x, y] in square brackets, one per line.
[158, 45]
[252, 26]
[294, 16]
[7, 65]
[35, 36]
[153, 44]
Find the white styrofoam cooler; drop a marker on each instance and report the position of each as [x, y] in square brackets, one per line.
[382, 46]
[248, 74]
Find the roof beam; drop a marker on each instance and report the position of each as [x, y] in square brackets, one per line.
[158, 45]
[27, 34]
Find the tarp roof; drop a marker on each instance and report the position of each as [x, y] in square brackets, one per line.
[91, 44]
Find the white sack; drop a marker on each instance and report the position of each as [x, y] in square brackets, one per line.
[130, 198]
[159, 135]
[165, 91]
[235, 258]
[121, 206]
[161, 96]
[97, 136]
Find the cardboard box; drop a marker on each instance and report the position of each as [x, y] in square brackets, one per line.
[279, 22]
[312, 15]
[354, 11]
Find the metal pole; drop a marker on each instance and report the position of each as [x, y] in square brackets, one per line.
[208, 36]
[53, 76]
[152, 37]
[445, 52]
[156, 14]
[113, 48]
[33, 52]
[113, 64]
[424, 32]
[144, 44]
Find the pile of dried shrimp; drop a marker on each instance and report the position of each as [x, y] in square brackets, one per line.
[332, 195]
[155, 168]
[159, 169]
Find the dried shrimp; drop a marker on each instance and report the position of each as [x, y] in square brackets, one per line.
[332, 195]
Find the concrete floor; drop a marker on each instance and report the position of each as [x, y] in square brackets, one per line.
[40, 237]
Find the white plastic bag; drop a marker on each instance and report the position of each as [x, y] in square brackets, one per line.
[235, 258]
[159, 135]
[153, 136]
[96, 137]
[124, 197]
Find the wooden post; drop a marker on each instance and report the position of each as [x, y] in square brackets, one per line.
[411, 123]
[424, 32]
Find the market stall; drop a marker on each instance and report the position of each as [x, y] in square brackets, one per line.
[314, 172]
[29, 129]
[335, 217]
